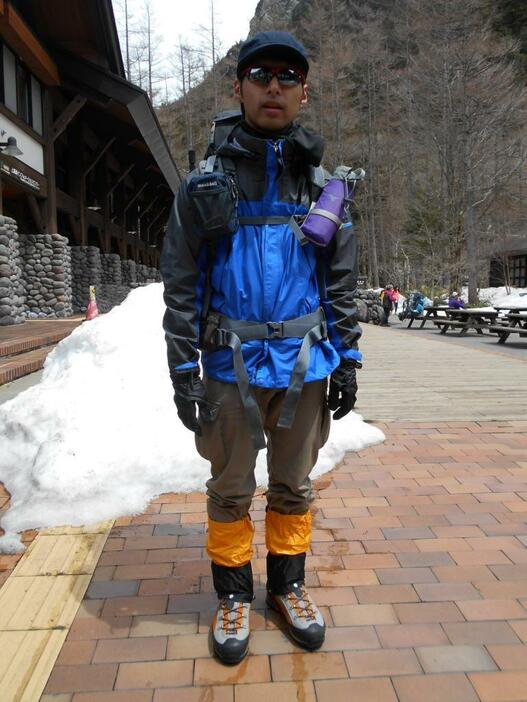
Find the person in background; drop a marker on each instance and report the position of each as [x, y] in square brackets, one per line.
[455, 301]
[396, 294]
[387, 302]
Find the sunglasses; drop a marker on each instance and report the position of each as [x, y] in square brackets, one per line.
[261, 75]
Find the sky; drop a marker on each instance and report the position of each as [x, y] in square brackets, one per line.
[181, 17]
[96, 439]
[179, 20]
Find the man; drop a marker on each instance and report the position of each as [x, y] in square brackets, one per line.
[387, 302]
[258, 296]
[455, 301]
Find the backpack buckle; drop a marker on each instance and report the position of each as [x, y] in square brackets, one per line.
[221, 337]
[275, 330]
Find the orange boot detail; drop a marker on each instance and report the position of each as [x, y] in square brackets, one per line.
[230, 543]
[287, 534]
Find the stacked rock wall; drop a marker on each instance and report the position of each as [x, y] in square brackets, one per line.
[42, 276]
[46, 275]
[141, 274]
[369, 306]
[112, 291]
[154, 276]
[128, 268]
[86, 270]
[111, 269]
[11, 286]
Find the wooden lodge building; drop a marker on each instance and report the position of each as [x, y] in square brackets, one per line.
[86, 190]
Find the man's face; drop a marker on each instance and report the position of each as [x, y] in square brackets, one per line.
[273, 106]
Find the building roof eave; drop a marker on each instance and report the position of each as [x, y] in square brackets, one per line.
[136, 100]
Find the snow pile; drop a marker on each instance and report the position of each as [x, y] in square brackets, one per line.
[99, 436]
[499, 297]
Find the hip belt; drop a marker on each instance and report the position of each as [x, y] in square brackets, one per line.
[222, 331]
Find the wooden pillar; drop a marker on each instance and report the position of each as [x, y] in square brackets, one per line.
[104, 195]
[77, 185]
[81, 184]
[50, 219]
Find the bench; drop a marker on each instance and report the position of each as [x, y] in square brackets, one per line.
[504, 330]
[430, 313]
[415, 317]
[466, 319]
[516, 323]
[449, 323]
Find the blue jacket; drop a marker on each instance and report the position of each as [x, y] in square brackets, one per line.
[261, 272]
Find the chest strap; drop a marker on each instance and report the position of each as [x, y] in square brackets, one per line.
[271, 219]
[311, 328]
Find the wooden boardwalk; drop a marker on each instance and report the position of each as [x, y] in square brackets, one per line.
[25, 347]
[410, 375]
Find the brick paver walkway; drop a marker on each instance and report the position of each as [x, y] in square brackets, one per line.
[418, 561]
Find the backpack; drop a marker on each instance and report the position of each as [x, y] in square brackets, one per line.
[222, 125]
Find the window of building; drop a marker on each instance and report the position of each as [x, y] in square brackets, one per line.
[9, 79]
[36, 105]
[23, 90]
[518, 270]
[20, 91]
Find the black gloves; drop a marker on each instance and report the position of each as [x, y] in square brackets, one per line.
[343, 388]
[189, 391]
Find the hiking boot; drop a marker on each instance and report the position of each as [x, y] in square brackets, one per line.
[305, 623]
[230, 630]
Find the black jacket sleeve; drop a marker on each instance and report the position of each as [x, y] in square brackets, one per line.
[341, 287]
[182, 278]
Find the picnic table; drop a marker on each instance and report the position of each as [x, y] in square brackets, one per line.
[516, 323]
[429, 313]
[511, 308]
[478, 318]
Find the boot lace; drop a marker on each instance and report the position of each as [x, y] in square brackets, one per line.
[231, 617]
[302, 604]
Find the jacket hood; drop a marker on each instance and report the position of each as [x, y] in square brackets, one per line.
[299, 142]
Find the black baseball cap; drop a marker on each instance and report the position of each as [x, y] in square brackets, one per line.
[272, 44]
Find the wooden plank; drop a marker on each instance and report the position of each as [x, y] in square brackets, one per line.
[37, 609]
[35, 211]
[20, 37]
[49, 161]
[423, 384]
[43, 602]
[100, 153]
[66, 116]
[134, 197]
[61, 554]
[27, 660]
[121, 178]
[96, 528]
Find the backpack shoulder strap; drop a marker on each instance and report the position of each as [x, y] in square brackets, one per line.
[316, 181]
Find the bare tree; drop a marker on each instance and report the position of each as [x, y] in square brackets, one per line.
[471, 115]
[211, 49]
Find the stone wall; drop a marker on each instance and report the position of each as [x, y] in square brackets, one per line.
[128, 268]
[11, 285]
[42, 276]
[111, 269]
[46, 275]
[141, 273]
[112, 291]
[86, 268]
[154, 276]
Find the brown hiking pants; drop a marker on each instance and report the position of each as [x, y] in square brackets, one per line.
[291, 453]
